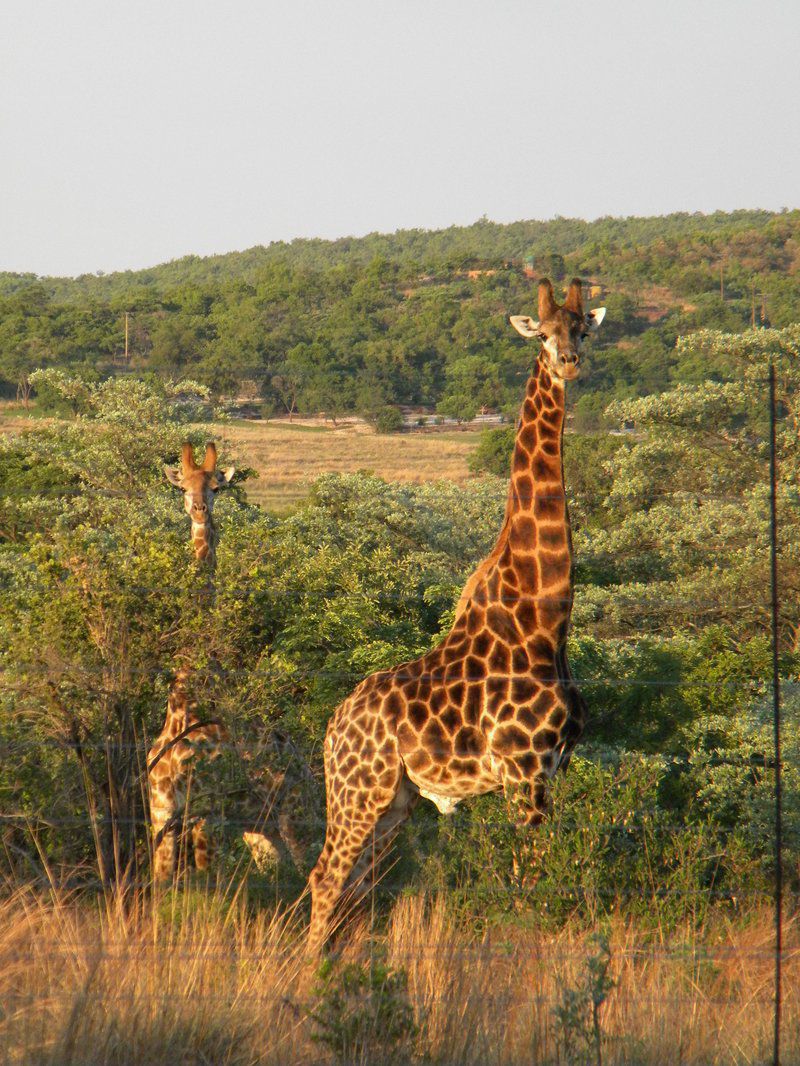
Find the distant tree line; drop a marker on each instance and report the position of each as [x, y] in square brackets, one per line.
[413, 318]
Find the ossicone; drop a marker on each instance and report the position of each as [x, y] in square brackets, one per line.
[210, 458]
[187, 457]
[547, 301]
[574, 300]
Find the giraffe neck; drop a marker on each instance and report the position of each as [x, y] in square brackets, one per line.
[204, 543]
[538, 538]
[181, 709]
[529, 571]
[537, 473]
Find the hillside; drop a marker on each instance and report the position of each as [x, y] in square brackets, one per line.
[414, 318]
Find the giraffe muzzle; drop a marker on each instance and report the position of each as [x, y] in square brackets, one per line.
[568, 367]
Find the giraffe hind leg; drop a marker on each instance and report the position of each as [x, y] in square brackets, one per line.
[365, 872]
[349, 831]
[202, 850]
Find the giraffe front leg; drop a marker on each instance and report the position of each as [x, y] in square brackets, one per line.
[162, 821]
[202, 848]
[529, 803]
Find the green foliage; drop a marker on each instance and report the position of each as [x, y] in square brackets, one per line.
[579, 1036]
[335, 327]
[363, 1013]
[615, 838]
[493, 454]
[388, 420]
[666, 808]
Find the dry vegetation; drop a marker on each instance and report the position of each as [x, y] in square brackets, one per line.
[14, 418]
[289, 457]
[193, 979]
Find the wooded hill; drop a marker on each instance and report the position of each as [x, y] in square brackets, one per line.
[416, 317]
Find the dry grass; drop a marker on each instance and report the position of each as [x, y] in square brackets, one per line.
[195, 980]
[16, 418]
[289, 457]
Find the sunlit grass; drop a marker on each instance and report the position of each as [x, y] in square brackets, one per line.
[204, 979]
[289, 458]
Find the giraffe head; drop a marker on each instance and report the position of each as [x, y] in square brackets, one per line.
[560, 329]
[200, 485]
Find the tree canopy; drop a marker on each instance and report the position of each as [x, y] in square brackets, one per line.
[411, 318]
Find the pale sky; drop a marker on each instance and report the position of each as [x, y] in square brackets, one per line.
[137, 132]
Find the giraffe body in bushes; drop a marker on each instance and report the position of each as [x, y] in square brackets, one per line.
[494, 706]
[267, 806]
[185, 734]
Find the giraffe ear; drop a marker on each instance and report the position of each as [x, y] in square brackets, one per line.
[524, 325]
[225, 477]
[173, 476]
[594, 318]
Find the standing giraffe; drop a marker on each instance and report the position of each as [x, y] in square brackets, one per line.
[184, 733]
[494, 706]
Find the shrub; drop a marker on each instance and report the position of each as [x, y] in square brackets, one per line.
[388, 420]
[363, 1013]
[608, 843]
[493, 454]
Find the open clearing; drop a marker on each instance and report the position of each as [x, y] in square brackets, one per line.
[289, 458]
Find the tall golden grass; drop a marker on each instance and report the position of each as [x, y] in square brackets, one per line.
[193, 978]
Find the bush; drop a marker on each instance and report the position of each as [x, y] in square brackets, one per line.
[493, 454]
[388, 420]
[363, 1013]
[589, 413]
[610, 842]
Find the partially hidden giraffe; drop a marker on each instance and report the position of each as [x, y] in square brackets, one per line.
[266, 805]
[494, 706]
[185, 734]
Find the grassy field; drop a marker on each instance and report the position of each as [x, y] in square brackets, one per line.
[193, 979]
[289, 457]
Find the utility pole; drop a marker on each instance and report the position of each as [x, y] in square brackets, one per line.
[721, 283]
[753, 308]
[126, 337]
